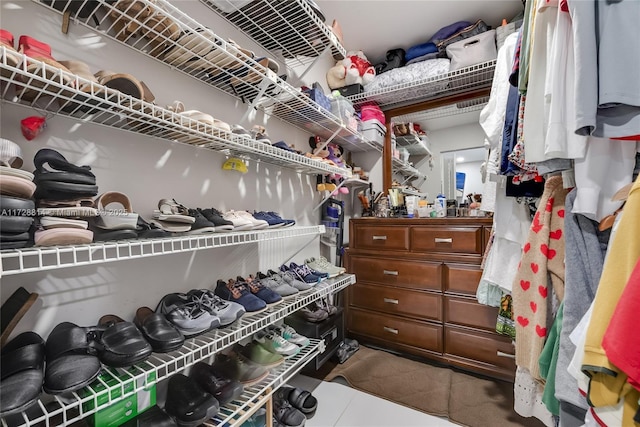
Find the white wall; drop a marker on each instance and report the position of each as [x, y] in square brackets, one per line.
[148, 169]
[473, 180]
[451, 139]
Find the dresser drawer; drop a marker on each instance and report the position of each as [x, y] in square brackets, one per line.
[397, 330]
[468, 312]
[462, 279]
[480, 346]
[447, 239]
[397, 301]
[381, 237]
[402, 273]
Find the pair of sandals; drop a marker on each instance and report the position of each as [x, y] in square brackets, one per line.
[58, 179]
[71, 361]
[149, 28]
[292, 406]
[172, 216]
[90, 87]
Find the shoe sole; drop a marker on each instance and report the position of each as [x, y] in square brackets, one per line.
[255, 380]
[246, 227]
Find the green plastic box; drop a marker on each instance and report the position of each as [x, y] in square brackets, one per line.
[125, 409]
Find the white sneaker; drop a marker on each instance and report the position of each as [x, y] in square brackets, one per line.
[323, 266]
[276, 344]
[240, 223]
[290, 334]
[258, 224]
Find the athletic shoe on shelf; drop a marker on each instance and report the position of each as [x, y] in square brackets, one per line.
[288, 222]
[237, 292]
[302, 272]
[276, 344]
[313, 313]
[214, 216]
[273, 222]
[239, 222]
[321, 264]
[258, 289]
[222, 388]
[290, 334]
[257, 353]
[278, 286]
[227, 311]
[187, 314]
[290, 279]
[201, 225]
[238, 369]
[258, 224]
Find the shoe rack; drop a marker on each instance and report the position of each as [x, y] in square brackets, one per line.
[298, 34]
[212, 60]
[39, 85]
[64, 411]
[29, 260]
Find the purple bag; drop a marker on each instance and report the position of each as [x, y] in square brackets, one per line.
[448, 31]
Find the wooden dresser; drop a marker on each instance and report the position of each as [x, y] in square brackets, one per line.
[415, 292]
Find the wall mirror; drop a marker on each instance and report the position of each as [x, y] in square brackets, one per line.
[461, 173]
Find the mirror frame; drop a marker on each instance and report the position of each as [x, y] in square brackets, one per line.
[387, 153]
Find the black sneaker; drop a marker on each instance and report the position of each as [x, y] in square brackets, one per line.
[201, 225]
[214, 216]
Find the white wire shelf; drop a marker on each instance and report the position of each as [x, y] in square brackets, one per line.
[41, 86]
[230, 414]
[431, 88]
[163, 32]
[356, 182]
[291, 28]
[411, 192]
[414, 144]
[406, 169]
[73, 407]
[18, 261]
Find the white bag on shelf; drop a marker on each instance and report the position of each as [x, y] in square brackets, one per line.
[473, 50]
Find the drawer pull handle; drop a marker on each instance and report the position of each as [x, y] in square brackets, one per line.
[379, 237]
[502, 354]
[441, 240]
[391, 301]
[390, 272]
[393, 331]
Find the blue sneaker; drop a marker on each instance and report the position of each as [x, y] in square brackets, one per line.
[272, 221]
[308, 269]
[288, 222]
[301, 273]
[262, 292]
[238, 292]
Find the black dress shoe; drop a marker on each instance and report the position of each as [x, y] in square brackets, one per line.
[187, 403]
[223, 389]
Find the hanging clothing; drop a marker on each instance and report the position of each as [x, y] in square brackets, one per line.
[527, 398]
[541, 268]
[618, 112]
[606, 380]
[536, 116]
[548, 364]
[607, 86]
[606, 167]
[524, 56]
[492, 117]
[560, 140]
[623, 352]
[585, 249]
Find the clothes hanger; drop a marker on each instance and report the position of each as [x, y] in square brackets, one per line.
[620, 196]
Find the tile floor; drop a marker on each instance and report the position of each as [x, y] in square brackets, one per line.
[342, 406]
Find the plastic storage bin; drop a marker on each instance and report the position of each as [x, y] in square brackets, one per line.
[343, 109]
[330, 330]
[373, 130]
